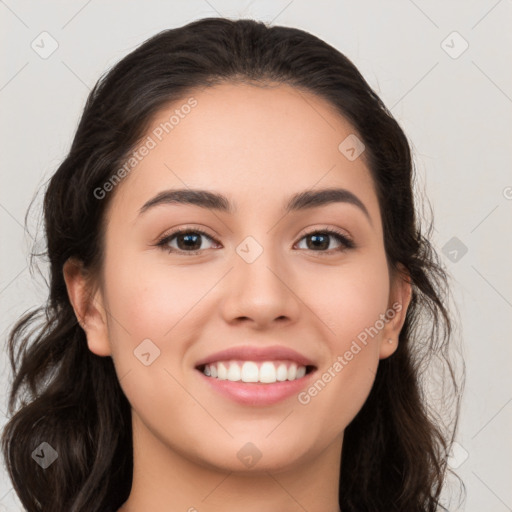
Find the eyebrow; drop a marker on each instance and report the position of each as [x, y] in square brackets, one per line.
[216, 201]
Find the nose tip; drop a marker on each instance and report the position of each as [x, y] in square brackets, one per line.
[257, 290]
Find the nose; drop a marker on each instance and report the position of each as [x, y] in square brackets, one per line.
[259, 292]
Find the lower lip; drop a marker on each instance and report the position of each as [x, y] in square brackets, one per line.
[254, 393]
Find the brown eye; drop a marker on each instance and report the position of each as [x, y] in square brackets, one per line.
[320, 241]
[185, 240]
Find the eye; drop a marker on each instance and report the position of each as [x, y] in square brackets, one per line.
[321, 240]
[187, 240]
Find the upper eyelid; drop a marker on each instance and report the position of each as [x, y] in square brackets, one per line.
[186, 229]
[308, 231]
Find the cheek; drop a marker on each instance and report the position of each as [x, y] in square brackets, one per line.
[151, 306]
[149, 298]
[351, 303]
[351, 299]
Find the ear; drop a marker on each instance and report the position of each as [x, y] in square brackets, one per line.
[399, 300]
[89, 307]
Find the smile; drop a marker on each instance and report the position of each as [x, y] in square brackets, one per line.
[267, 372]
[256, 375]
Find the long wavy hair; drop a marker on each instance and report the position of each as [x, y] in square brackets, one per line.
[396, 449]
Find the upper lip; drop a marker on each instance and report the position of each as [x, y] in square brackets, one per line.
[252, 353]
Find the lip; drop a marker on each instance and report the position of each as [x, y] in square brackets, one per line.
[252, 353]
[257, 394]
[254, 393]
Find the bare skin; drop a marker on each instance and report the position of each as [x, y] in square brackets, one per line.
[257, 146]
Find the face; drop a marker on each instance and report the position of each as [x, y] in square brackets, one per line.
[298, 292]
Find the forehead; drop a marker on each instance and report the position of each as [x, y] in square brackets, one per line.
[253, 143]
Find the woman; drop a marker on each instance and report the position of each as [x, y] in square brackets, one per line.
[242, 301]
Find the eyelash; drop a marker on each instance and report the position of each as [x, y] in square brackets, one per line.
[346, 243]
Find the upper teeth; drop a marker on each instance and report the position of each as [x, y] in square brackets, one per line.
[250, 371]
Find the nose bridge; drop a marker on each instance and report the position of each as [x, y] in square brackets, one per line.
[258, 289]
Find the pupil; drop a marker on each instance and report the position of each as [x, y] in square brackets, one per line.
[321, 245]
[187, 238]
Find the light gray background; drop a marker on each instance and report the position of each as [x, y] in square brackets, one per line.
[456, 110]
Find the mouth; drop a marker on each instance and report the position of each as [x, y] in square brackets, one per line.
[263, 372]
[256, 376]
